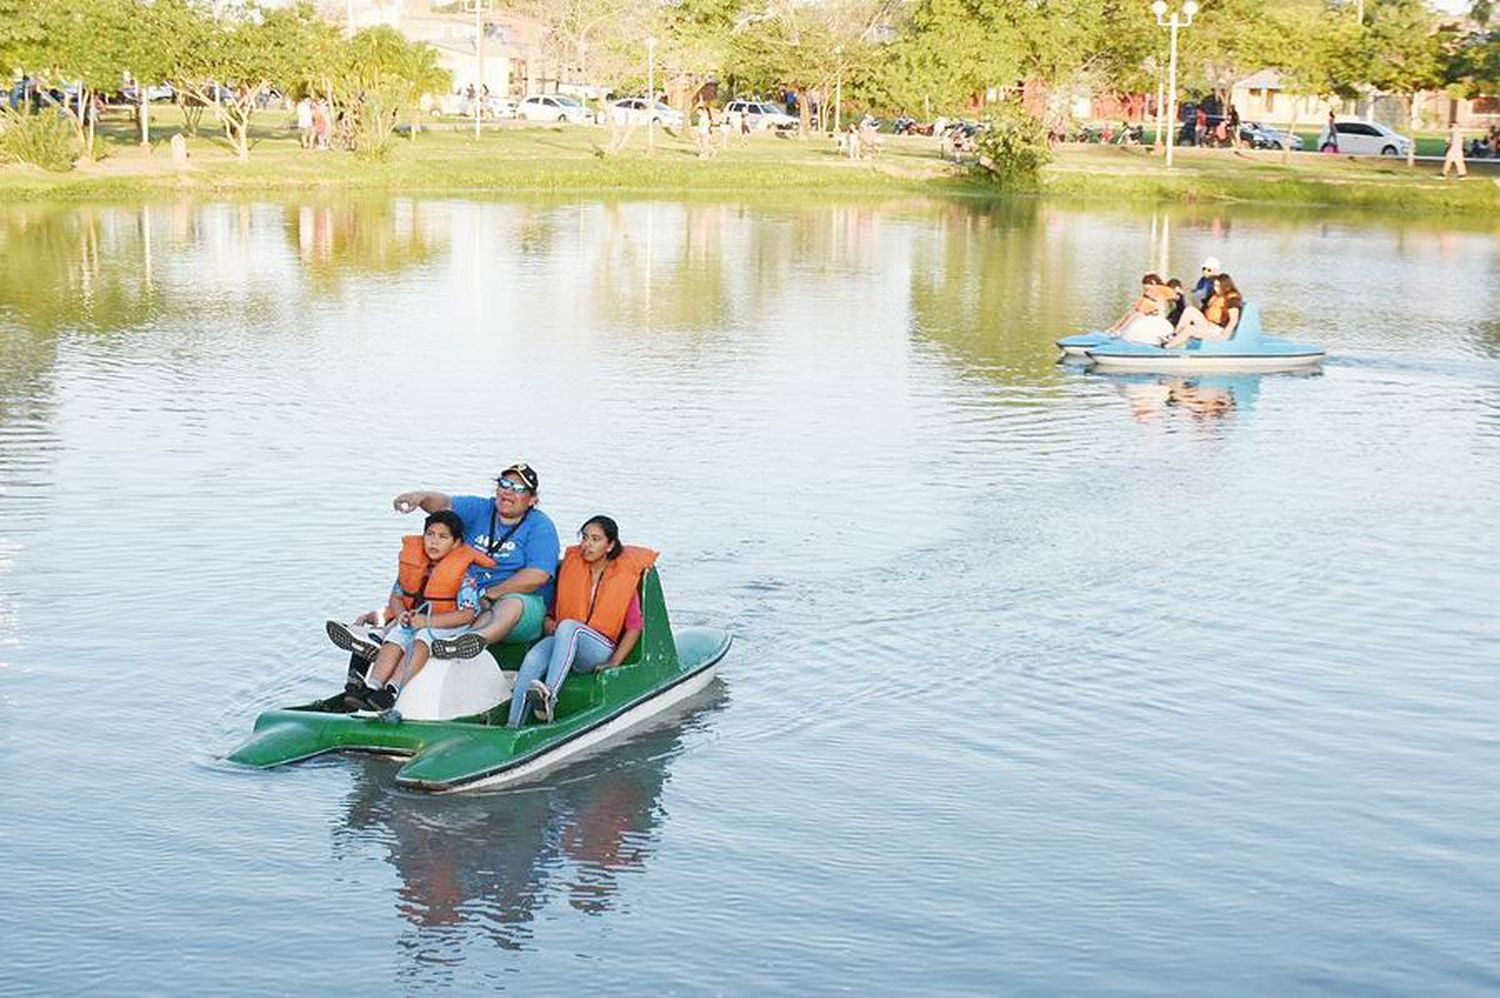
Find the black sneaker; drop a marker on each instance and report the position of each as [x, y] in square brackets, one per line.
[466, 645]
[382, 699]
[350, 639]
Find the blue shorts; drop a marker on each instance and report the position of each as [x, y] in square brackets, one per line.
[404, 636]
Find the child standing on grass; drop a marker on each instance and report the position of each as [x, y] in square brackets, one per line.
[435, 596]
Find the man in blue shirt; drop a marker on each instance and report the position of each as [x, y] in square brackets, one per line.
[522, 540]
[1205, 286]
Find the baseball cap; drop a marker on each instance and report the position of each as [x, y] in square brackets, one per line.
[523, 471]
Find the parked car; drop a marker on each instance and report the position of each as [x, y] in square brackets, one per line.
[761, 115]
[159, 92]
[635, 111]
[1265, 137]
[555, 107]
[1366, 138]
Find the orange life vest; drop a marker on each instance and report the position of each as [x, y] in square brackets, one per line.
[1216, 311]
[435, 585]
[605, 612]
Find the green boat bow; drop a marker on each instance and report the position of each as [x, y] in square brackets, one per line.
[479, 750]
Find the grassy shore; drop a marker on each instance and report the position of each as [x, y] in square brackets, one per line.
[514, 157]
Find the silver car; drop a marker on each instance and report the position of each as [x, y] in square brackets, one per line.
[635, 111]
[1265, 137]
[761, 115]
[1366, 138]
[555, 107]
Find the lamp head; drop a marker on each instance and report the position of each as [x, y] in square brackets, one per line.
[1159, 8]
[1190, 8]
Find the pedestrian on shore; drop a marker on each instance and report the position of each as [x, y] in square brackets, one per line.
[305, 123]
[1330, 141]
[702, 132]
[320, 124]
[1454, 159]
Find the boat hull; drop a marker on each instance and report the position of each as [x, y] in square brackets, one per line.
[616, 727]
[1248, 350]
[481, 751]
[1078, 347]
[1190, 362]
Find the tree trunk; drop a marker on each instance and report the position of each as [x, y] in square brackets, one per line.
[242, 145]
[86, 98]
[804, 113]
[1412, 112]
[145, 115]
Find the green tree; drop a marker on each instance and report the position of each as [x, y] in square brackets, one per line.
[952, 51]
[594, 40]
[1407, 56]
[1473, 65]
[1316, 55]
[79, 45]
[239, 58]
[379, 75]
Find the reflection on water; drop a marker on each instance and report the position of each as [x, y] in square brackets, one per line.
[344, 238]
[962, 696]
[490, 862]
[1198, 398]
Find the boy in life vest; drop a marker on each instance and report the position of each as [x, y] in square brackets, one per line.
[435, 596]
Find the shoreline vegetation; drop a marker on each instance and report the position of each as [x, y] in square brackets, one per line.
[520, 158]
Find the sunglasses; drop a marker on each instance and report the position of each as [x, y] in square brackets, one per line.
[506, 485]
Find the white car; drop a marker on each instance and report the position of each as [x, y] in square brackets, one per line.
[761, 115]
[635, 111]
[1366, 138]
[555, 107]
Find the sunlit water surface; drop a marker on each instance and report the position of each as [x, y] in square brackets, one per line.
[1044, 681]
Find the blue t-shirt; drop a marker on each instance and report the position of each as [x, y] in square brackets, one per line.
[1203, 291]
[533, 544]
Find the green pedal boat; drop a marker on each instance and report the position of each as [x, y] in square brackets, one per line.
[450, 719]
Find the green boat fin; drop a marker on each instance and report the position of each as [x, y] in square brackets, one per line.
[282, 742]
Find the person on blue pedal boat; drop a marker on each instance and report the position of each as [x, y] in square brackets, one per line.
[596, 622]
[1204, 289]
[521, 539]
[1146, 321]
[1218, 320]
[435, 596]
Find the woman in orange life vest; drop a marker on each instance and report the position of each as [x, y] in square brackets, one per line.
[1218, 320]
[596, 621]
[434, 597]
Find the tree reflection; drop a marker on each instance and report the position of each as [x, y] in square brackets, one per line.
[336, 239]
[75, 268]
[988, 277]
[485, 865]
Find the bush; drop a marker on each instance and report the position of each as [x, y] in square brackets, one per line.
[1013, 147]
[41, 138]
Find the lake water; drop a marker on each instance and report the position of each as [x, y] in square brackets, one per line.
[1044, 682]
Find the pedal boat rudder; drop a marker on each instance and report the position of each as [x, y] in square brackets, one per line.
[479, 750]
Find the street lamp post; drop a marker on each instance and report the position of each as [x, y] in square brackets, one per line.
[651, 94]
[1181, 19]
[480, 6]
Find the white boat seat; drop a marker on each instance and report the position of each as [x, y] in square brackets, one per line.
[455, 687]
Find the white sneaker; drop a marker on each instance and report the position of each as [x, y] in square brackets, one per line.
[546, 702]
[358, 639]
